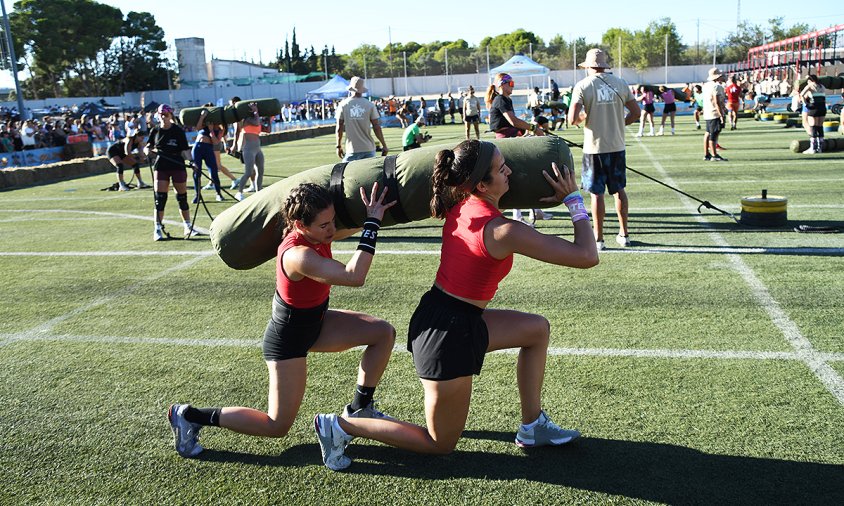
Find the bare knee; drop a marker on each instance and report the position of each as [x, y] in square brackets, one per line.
[386, 333]
[540, 329]
[278, 428]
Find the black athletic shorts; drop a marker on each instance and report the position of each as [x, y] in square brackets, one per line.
[292, 331]
[669, 108]
[713, 128]
[650, 108]
[447, 337]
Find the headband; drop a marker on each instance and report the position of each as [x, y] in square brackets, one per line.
[504, 79]
[485, 152]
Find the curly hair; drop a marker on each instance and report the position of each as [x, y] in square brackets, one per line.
[304, 203]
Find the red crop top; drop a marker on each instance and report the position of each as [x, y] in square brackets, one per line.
[466, 268]
[305, 293]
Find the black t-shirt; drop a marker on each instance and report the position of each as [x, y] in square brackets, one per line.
[117, 149]
[500, 105]
[169, 144]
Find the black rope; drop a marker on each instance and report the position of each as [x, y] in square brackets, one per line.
[703, 203]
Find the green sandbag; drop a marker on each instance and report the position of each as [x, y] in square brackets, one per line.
[798, 146]
[266, 107]
[248, 233]
[828, 82]
[220, 115]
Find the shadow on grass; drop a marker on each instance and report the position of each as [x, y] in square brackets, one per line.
[648, 471]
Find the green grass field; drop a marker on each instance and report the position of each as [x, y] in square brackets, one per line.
[702, 365]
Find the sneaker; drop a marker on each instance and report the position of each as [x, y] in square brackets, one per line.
[810, 151]
[369, 411]
[143, 186]
[638, 134]
[600, 245]
[186, 434]
[660, 133]
[122, 187]
[718, 158]
[332, 442]
[544, 433]
[196, 200]
[623, 240]
[190, 232]
[543, 215]
[209, 186]
[251, 189]
[650, 134]
[158, 234]
[220, 198]
[238, 197]
[235, 184]
[707, 158]
[697, 127]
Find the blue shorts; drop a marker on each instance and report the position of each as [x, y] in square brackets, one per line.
[350, 157]
[604, 171]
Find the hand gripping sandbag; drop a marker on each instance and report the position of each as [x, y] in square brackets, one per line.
[248, 233]
[230, 114]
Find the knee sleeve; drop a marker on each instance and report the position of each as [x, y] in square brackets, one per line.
[182, 198]
[160, 201]
[817, 131]
[136, 168]
[120, 168]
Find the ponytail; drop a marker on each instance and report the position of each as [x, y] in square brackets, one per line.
[452, 174]
[491, 93]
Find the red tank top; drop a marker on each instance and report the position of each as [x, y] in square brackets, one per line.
[466, 268]
[305, 293]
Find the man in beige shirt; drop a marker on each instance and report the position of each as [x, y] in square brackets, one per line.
[599, 102]
[714, 114]
[355, 116]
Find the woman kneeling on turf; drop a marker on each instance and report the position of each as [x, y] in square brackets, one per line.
[301, 322]
[452, 329]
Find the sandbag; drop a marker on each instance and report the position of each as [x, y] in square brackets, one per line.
[230, 114]
[248, 233]
[828, 82]
[798, 146]
[266, 107]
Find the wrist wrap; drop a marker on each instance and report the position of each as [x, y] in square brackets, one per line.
[369, 236]
[577, 210]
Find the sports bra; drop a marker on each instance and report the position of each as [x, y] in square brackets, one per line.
[252, 129]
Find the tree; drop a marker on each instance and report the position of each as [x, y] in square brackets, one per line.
[647, 48]
[137, 54]
[60, 41]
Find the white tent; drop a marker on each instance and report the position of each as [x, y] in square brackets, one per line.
[336, 87]
[520, 66]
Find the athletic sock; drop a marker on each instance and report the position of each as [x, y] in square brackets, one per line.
[203, 416]
[363, 397]
[530, 425]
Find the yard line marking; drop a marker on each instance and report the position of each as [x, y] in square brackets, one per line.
[635, 250]
[401, 348]
[802, 346]
[49, 324]
[201, 230]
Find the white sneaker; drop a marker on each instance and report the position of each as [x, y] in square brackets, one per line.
[660, 132]
[251, 189]
[209, 186]
[122, 187]
[600, 245]
[638, 134]
[623, 240]
[158, 234]
[332, 442]
[190, 232]
[544, 433]
[650, 134]
[238, 197]
[543, 215]
[220, 198]
[810, 151]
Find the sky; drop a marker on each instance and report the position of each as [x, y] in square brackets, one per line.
[246, 31]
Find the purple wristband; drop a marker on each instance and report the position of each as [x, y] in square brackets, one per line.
[577, 210]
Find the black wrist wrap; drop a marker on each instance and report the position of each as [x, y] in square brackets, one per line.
[369, 235]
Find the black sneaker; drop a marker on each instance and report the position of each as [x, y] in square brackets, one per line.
[718, 158]
[707, 158]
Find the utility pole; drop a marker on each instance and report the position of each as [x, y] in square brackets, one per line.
[666, 59]
[738, 15]
[392, 81]
[697, 44]
[14, 63]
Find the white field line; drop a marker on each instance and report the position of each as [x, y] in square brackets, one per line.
[104, 214]
[47, 326]
[427, 252]
[826, 374]
[401, 348]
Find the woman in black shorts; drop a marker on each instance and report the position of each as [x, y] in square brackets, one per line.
[127, 153]
[813, 96]
[301, 322]
[452, 328]
[169, 144]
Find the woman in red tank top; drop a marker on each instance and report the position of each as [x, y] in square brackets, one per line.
[452, 329]
[301, 322]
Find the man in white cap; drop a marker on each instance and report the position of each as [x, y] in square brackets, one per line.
[355, 115]
[714, 113]
[599, 102]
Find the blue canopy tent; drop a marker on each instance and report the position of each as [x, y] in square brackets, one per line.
[336, 87]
